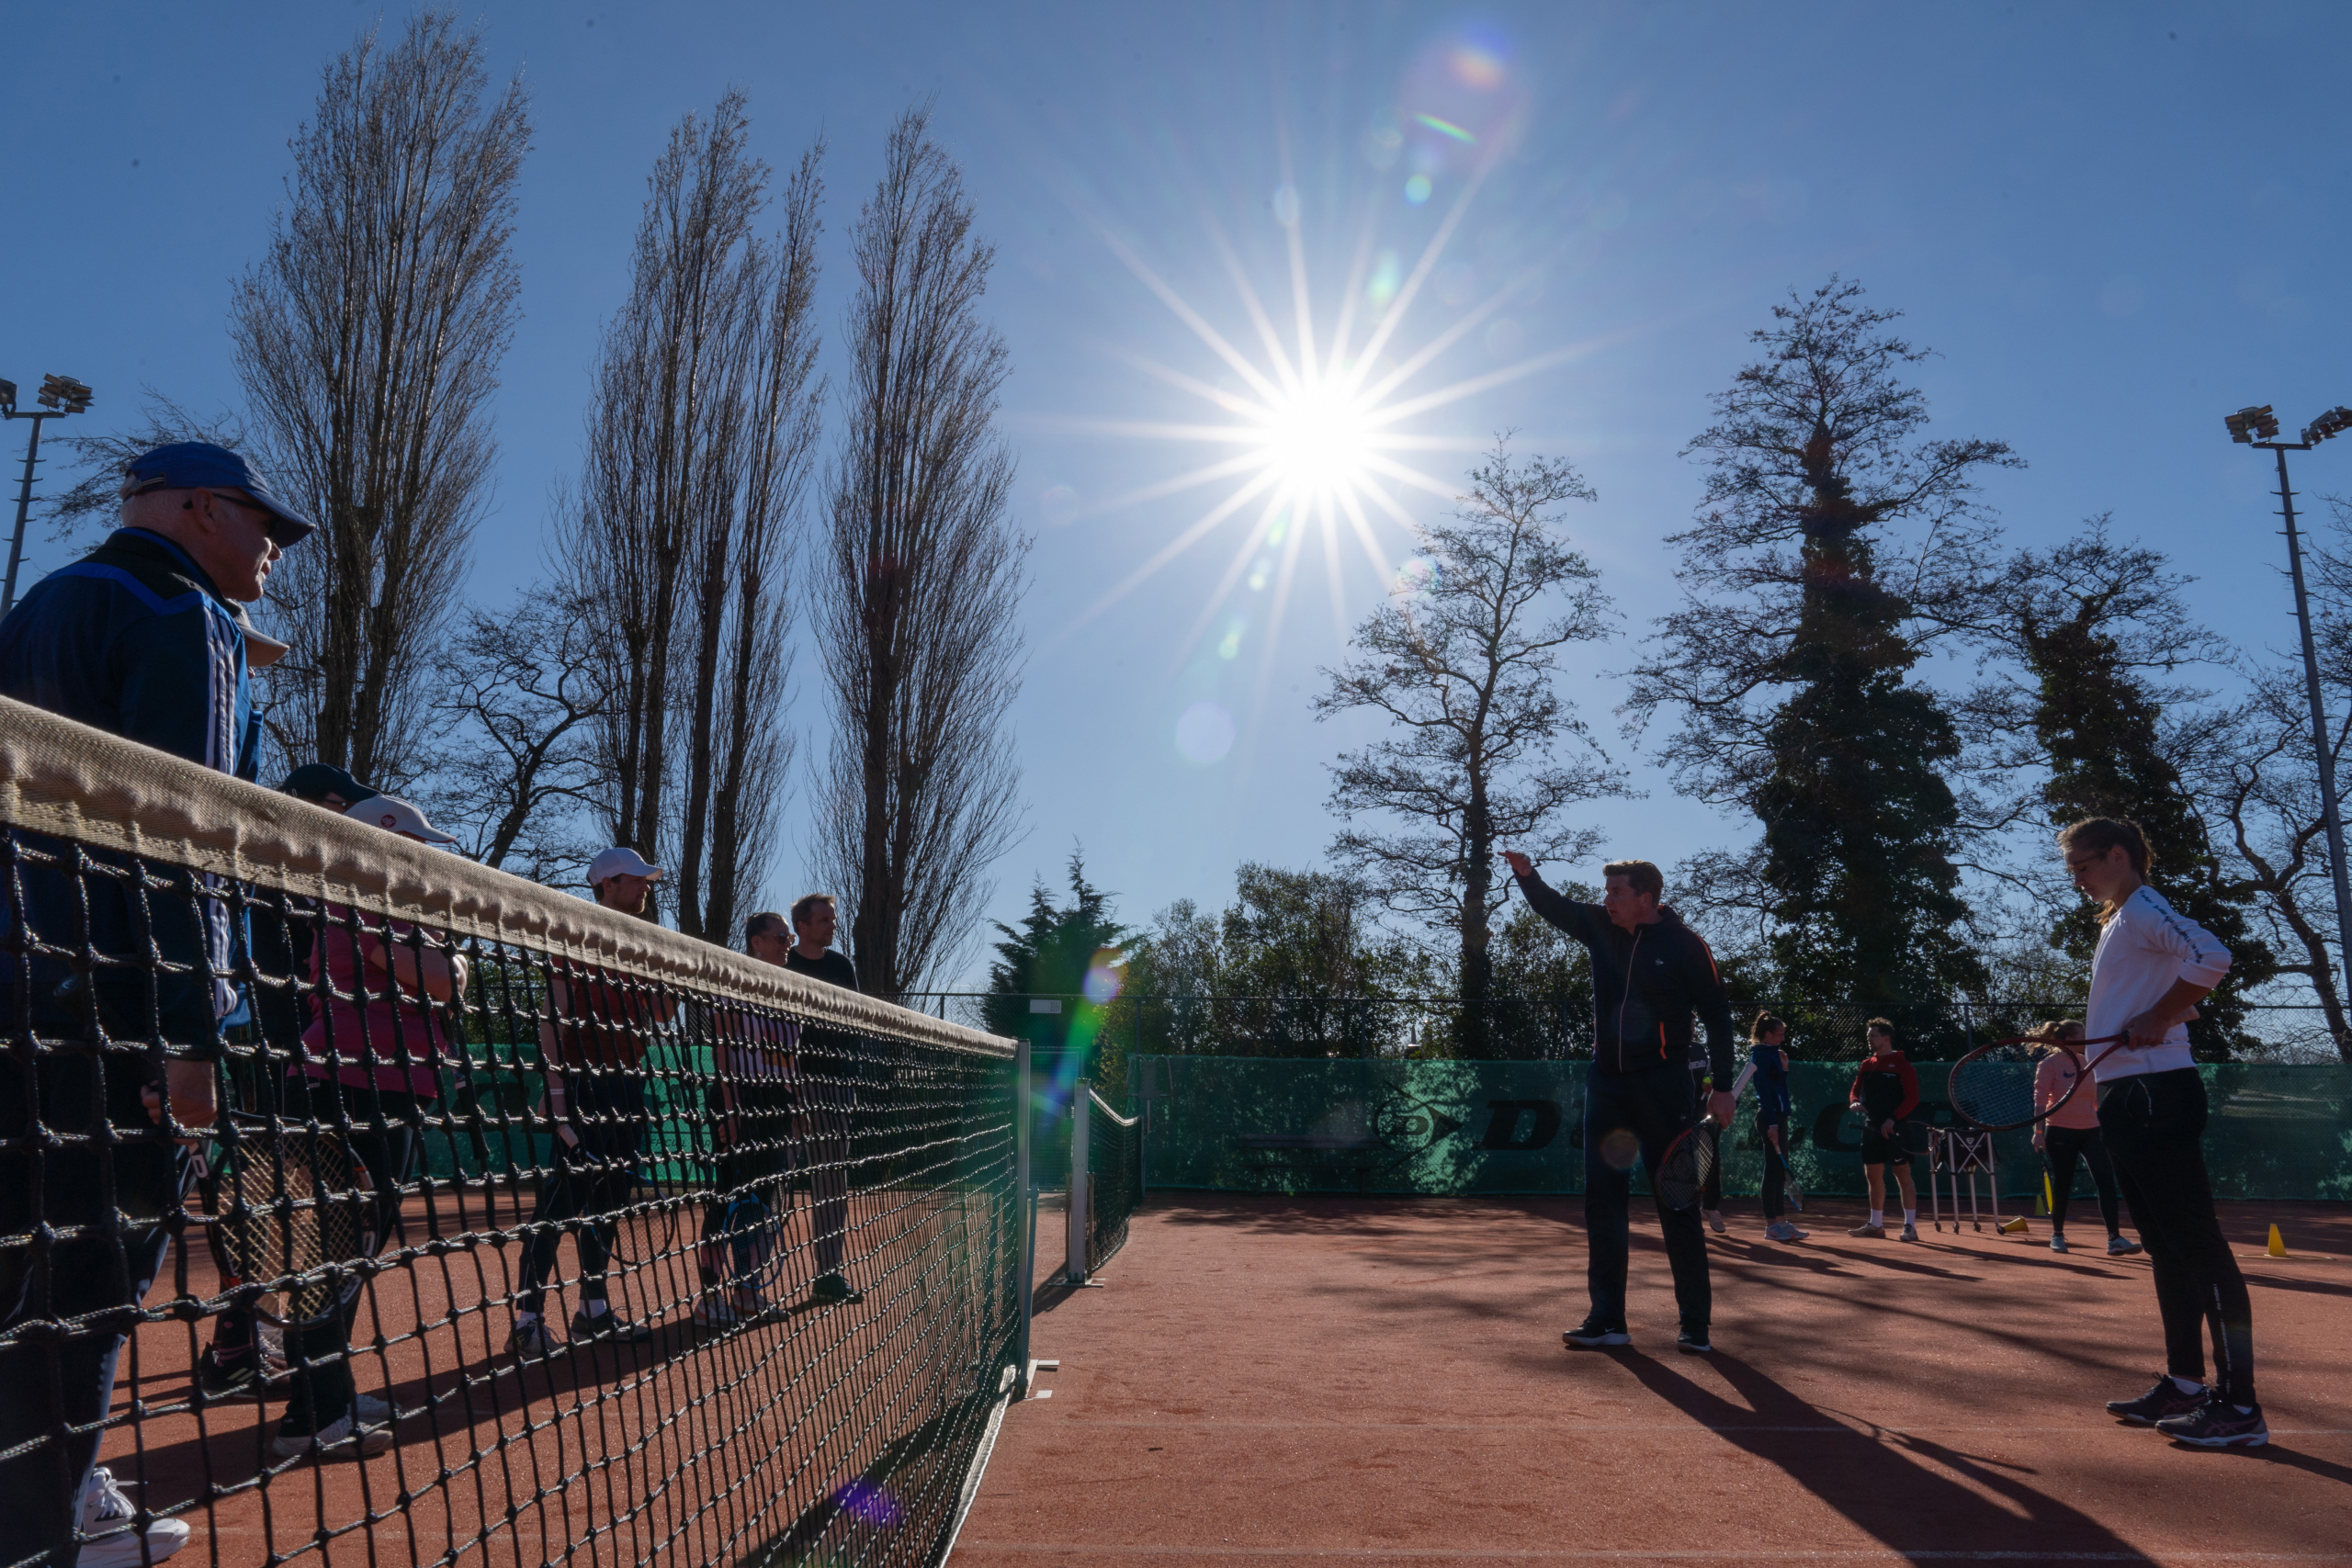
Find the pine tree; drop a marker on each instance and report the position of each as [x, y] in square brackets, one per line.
[2093, 621]
[1792, 663]
[1051, 954]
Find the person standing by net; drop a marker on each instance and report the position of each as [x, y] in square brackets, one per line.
[1767, 1051]
[143, 638]
[1650, 975]
[2070, 1134]
[751, 1113]
[592, 1046]
[2150, 968]
[369, 1073]
[825, 1090]
[1886, 1091]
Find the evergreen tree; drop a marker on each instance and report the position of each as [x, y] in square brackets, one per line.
[1791, 666]
[1051, 954]
[2094, 621]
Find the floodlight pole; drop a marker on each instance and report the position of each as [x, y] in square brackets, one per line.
[2328, 803]
[23, 498]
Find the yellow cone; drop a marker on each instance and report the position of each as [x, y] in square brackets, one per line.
[2014, 1227]
[2278, 1243]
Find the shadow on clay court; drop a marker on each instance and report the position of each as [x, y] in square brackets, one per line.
[1888, 1483]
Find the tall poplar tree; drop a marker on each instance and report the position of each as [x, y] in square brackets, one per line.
[1835, 542]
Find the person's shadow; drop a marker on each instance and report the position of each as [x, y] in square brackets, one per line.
[1901, 1489]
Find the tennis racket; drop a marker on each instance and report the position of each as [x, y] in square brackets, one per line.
[1991, 1087]
[297, 1214]
[1688, 1161]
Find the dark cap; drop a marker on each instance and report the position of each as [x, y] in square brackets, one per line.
[315, 781]
[199, 465]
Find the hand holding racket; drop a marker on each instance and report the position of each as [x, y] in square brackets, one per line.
[1689, 1162]
[1991, 1087]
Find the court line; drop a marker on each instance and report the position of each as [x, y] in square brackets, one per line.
[1653, 1555]
[1163, 1423]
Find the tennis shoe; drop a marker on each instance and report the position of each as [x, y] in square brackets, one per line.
[371, 1411]
[2159, 1403]
[609, 1324]
[713, 1310]
[832, 1289]
[1715, 1222]
[110, 1538]
[2121, 1246]
[1594, 1331]
[1866, 1228]
[223, 1378]
[1781, 1230]
[2217, 1424]
[1910, 1231]
[530, 1340]
[1693, 1341]
[2058, 1243]
[345, 1439]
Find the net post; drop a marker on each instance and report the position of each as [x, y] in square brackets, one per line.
[1082, 1120]
[1026, 1270]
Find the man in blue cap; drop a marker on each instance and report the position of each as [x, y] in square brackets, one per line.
[146, 638]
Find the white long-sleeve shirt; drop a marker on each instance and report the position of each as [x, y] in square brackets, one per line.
[2147, 946]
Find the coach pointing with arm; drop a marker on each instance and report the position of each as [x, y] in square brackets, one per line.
[1650, 975]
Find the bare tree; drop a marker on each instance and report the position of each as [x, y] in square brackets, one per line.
[702, 434]
[1462, 663]
[519, 693]
[922, 583]
[368, 340]
[94, 498]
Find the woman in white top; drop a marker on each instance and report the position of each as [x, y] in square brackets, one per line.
[2151, 968]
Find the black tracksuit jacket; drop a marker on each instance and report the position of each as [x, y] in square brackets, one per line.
[1647, 984]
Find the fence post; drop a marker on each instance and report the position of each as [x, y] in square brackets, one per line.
[1081, 1123]
[1026, 1243]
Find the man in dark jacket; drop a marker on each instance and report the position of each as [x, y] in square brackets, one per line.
[143, 638]
[1650, 975]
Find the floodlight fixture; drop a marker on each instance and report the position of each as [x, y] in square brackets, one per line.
[64, 394]
[7, 397]
[2251, 424]
[2335, 421]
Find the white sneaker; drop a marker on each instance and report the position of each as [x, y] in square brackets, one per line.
[109, 1540]
[1781, 1230]
[712, 1310]
[341, 1440]
[371, 1411]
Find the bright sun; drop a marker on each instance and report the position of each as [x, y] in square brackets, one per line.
[1318, 438]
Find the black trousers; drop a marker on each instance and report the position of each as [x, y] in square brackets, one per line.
[1775, 1172]
[2060, 1148]
[1624, 1116]
[2154, 1128]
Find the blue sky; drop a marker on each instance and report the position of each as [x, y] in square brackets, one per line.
[2116, 223]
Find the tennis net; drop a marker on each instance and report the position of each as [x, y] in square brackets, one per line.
[569, 1238]
[1113, 1178]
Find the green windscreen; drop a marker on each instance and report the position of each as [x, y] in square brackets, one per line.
[1270, 1124]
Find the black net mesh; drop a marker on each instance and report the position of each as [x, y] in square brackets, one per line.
[1113, 1178]
[497, 1252]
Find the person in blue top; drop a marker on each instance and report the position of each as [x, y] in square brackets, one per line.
[1767, 1051]
[144, 638]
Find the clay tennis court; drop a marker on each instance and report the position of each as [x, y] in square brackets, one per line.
[1271, 1381]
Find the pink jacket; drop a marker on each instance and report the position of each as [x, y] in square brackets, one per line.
[2054, 1078]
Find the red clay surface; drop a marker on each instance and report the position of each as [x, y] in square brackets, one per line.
[1273, 1380]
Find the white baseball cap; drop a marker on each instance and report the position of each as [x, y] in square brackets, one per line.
[396, 815]
[619, 861]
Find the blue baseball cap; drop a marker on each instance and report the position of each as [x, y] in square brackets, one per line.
[199, 465]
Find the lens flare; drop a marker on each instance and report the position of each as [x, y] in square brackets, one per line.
[1205, 733]
[1103, 977]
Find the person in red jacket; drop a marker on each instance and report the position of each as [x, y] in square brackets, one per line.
[1886, 1091]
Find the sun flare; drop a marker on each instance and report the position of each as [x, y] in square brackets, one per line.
[1319, 438]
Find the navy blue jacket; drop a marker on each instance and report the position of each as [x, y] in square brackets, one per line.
[1647, 984]
[134, 639]
[1772, 1086]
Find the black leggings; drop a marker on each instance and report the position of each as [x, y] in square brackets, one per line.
[2154, 1127]
[588, 1183]
[1775, 1172]
[2060, 1148]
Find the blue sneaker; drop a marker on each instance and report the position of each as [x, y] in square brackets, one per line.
[2218, 1423]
